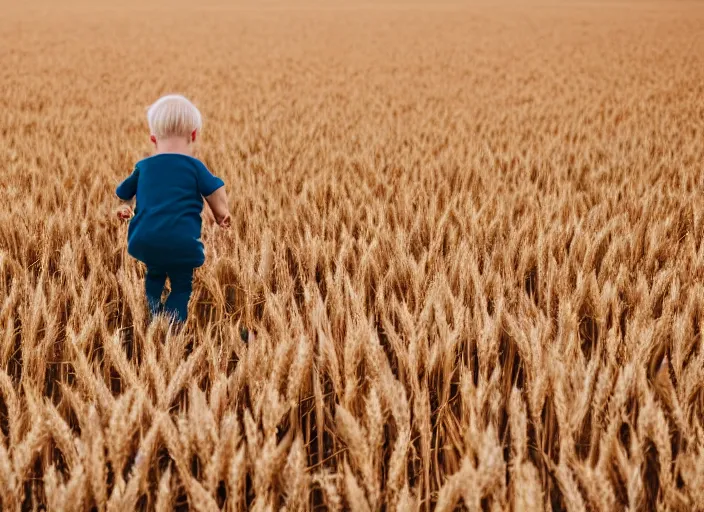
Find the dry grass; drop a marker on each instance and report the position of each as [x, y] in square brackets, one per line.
[470, 239]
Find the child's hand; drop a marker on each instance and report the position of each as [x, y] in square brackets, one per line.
[226, 222]
[124, 212]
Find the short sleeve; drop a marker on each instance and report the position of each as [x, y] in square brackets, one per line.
[207, 182]
[128, 188]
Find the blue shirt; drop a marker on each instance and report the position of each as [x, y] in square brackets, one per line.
[166, 228]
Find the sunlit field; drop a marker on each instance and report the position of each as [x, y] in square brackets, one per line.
[467, 240]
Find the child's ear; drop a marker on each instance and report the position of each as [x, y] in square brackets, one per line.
[193, 135]
[153, 139]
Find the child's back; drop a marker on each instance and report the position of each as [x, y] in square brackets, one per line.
[166, 228]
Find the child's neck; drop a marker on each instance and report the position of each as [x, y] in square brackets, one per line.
[174, 145]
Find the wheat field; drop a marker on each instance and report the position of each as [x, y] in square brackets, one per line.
[468, 238]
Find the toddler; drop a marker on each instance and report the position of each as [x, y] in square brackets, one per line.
[169, 188]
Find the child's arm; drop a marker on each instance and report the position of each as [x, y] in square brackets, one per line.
[218, 204]
[212, 189]
[126, 192]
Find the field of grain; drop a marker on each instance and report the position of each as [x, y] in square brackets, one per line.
[469, 236]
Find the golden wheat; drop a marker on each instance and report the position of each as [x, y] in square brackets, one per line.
[468, 239]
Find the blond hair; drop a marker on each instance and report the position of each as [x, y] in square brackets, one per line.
[173, 116]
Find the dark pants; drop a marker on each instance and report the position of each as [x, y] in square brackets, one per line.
[176, 305]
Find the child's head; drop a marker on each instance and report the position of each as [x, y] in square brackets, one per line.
[173, 117]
